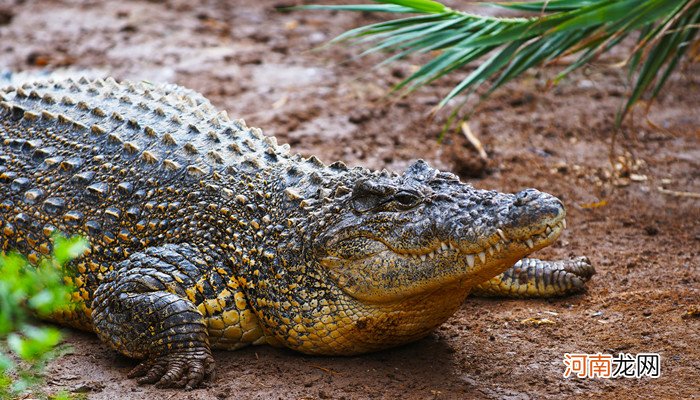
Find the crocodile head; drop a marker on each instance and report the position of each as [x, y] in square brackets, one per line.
[402, 236]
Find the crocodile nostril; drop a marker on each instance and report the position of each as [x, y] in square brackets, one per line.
[525, 196]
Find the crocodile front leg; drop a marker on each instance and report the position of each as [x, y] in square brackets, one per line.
[142, 311]
[530, 278]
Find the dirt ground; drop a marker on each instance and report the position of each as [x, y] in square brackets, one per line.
[258, 64]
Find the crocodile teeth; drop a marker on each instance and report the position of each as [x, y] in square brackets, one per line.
[482, 257]
[451, 246]
[563, 223]
[498, 246]
[470, 260]
[547, 230]
[491, 250]
[501, 234]
[422, 257]
[529, 243]
[431, 254]
[443, 246]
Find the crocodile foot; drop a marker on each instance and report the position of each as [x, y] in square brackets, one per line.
[187, 368]
[136, 312]
[533, 278]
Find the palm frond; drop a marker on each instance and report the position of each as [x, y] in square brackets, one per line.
[510, 46]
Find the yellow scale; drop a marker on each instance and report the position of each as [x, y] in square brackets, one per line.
[232, 323]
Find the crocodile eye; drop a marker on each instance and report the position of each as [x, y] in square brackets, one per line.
[406, 199]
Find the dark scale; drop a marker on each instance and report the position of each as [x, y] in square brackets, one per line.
[206, 234]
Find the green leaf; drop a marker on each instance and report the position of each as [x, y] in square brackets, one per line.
[43, 301]
[35, 343]
[426, 6]
[389, 6]
[356, 7]
[547, 6]
[66, 249]
[485, 70]
[6, 364]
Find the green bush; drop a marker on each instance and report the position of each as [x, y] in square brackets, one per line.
[31, 291]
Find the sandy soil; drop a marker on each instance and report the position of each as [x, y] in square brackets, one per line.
[257, 64]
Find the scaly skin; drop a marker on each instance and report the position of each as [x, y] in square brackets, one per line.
[206, 234]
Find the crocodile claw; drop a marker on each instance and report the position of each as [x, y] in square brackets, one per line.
[187, 368]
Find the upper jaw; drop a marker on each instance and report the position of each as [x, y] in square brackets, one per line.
[491, 247]
[525, 228]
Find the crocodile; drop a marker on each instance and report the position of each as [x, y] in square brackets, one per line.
[206, 234]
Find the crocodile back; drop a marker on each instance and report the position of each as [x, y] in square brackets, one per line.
[127, 165]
